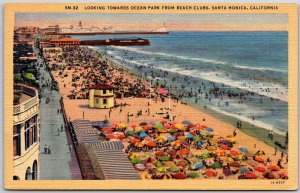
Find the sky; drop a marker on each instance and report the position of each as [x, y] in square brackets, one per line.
[174, 22]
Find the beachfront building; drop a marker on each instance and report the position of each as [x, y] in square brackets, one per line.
[65, 42]
[26, 133]
[52, 51]
[102, 96]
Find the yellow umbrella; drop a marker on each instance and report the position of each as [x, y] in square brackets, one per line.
[122, 125]
[161, 139]
[146, 176]
[137, 129]
[181, 138]
[229, 159]
[180, 127]
[232, 139]
[133, 155]
[169, 164]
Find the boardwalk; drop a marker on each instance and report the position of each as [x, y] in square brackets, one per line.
[61, 164]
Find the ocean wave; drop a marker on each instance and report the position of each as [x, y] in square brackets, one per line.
[249, 120]
[206, 60]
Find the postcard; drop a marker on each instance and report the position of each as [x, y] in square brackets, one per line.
[131, 96]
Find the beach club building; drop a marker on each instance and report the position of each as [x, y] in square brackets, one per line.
[65, 42]
[26, 133]
[102, 96]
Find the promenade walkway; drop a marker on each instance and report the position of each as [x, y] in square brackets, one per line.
[62, 163]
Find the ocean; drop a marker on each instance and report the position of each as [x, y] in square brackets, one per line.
[252, 63]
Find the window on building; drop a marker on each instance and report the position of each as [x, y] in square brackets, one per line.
[104, 91]
[34, 134]
[110, 90]
[27, 135]
[104, 101]
[97, 100]
[17, 140]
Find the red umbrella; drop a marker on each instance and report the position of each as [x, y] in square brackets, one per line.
[251, 175]
[211, 173]
[151, 144]
[180, 176]
[133, 140]
[160, 153]
[183, 152]
[162, 91]
[163, 121]
[274, 168]
[110, 136]
[224, 147]
[260, 169]
[106, 129]
[148, 127]
[234, 153]
[235, 164]
[121, 136]
[190, 125]
[283, 175]
[260, 159]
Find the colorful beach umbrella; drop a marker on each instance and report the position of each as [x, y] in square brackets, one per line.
[151, 144]
[183, 152]
[250, 175]
[198, 166]
[136, 160]
[180, 176]
[189, 136]
[146, 176]
[260, 168]
[140, 167]
[211, 173]
[243, 149]
[244, 170]
[193, 175]
[186, 122]
[274, 168]
[166, 177]
[259, 159]
[209, 129]
[171, 138]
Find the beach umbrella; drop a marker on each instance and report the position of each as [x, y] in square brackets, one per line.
[133, 126]
[224, 147]
[172, 131]
[269, 175]
[176, 143]
[147, 155]
[140, 167]
[136, 160]
[180, 127]
[133, 140]
[161, 169]
[199, 143]
[189, 126]
[159, 153]
[274, 168]
[106, 129]
[163, 121]
[232, 139]
[235, 164]
[234, 153]
[227, 172]
[129, 132]
[211, 148]
[143, 124]
[169, 163]
[259, 159]
[240, 157]
[148, 127]
[120, 136]
[193, 175]
[215, 165]
[183, 152]
[172, 152]
[158, 164]
[244, 150]
[244, 170]
[260, 168]
[211, 173]
[189, 136]
[205, 155]
[209, 129]
[110, 136]
[203, 133]
[251, 175]
[196, 138]
[150, 166]
[146, 176]
[171, 138]
[186, 122]
[198, 166]
[164, 158]
[162, 91]
[181, 163]
[151, 144]
[223, 141]
[181, 138]
[283, 175]
[219, 153]
[180, 176]
[167, 126]
[159, 126]
[149, 160]
[173, 169]
[229, 160]
[209, 161]
[166, 177]
[161, 139]
[133, 155]
[143, 135]
[138, 129]
[139, 144]
[122, 125]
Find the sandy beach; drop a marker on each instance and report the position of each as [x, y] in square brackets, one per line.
[152, 110]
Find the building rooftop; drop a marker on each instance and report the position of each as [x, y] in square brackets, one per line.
[64, 39]
[24, 97]
[102, 86]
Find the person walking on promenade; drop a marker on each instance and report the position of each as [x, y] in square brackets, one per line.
[49, 149]
[70, 148]
[275, 151]
[61, 128]
[83, 114]
[45, 149]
